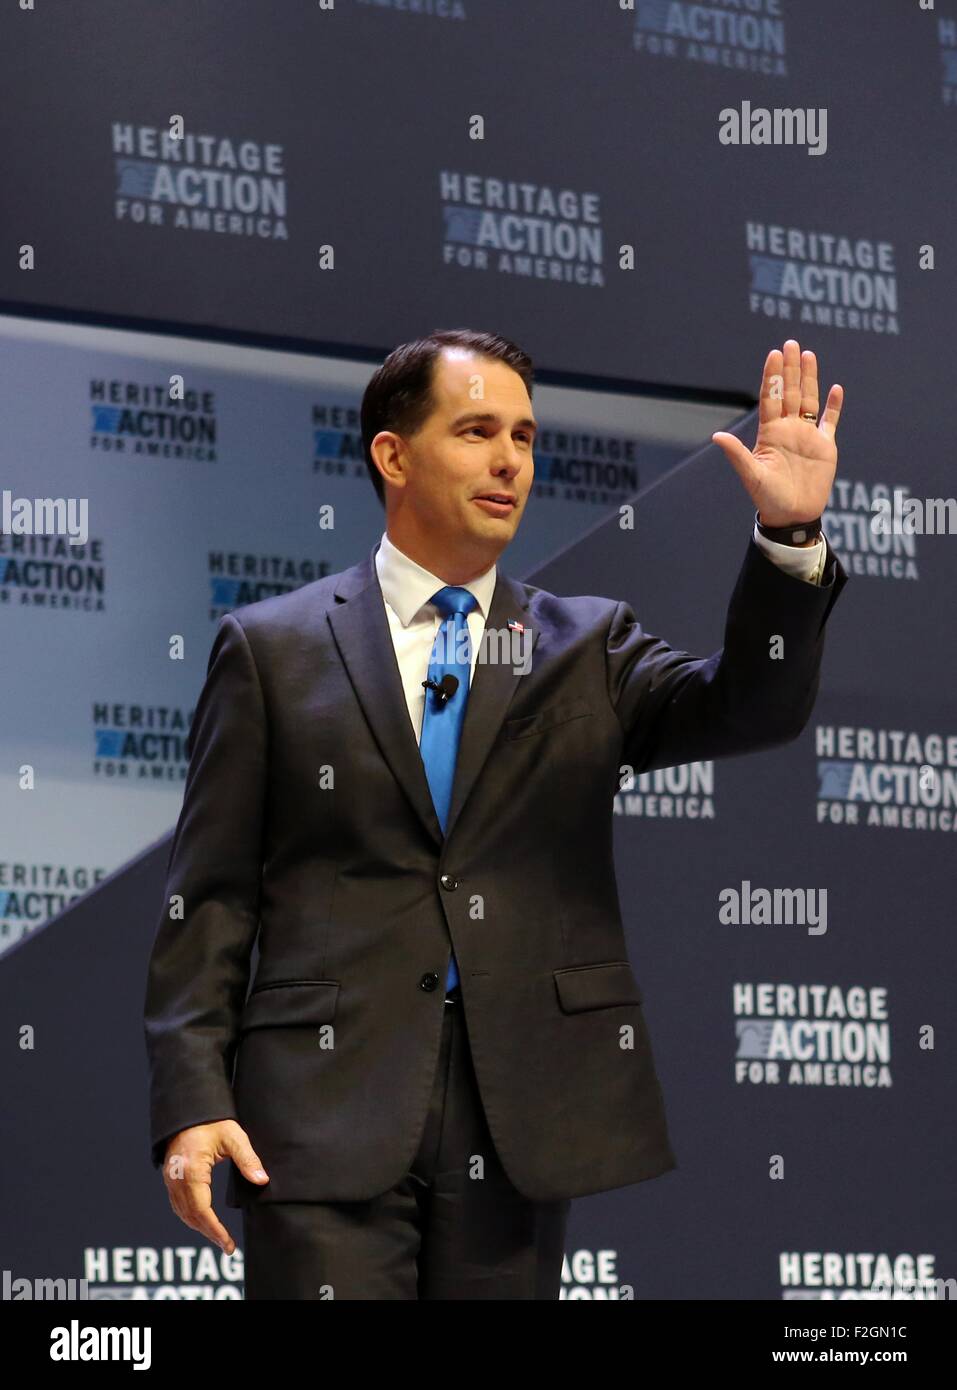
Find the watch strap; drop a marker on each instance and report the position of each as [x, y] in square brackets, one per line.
[797, 534]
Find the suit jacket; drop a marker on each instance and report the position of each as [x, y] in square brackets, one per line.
[354, 896]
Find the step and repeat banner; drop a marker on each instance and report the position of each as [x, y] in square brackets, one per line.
[213, 232]
[649, 189]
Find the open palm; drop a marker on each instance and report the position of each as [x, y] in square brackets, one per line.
[789, 472]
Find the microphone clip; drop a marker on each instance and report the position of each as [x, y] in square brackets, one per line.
[445, 688]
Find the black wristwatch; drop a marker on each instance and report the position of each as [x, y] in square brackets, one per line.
[790, 535]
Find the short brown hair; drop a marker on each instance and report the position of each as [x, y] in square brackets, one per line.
[399, 395]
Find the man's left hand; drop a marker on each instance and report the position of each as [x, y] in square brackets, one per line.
[790, 470]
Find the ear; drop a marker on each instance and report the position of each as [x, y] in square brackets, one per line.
[389, 456]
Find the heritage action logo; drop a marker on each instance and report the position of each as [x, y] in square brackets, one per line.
[145, 1272]
[235, 580]
[140, 743]
[822, 278]
[337, 450]
[593, 1275]
[811, 1035]
[575, 466]
[888, 778]
[51, 572]
[833, 1275]
[947, 37]
[525, 229]
[865, 548]
[153, 420]
[669, 793]
[32, 893]
[198, 182]
[747, 35]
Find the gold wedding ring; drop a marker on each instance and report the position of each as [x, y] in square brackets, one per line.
[808, 415]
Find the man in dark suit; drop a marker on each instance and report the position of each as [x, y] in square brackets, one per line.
[401, 789]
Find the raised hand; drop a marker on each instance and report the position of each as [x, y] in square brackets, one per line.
[789, 472]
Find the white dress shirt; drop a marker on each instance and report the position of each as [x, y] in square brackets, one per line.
[414, 621]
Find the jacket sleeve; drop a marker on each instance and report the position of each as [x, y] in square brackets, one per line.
[199, 966]
[677, 708]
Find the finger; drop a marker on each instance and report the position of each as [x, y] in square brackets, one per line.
[190, 1190]
[178, 1172]
[792, 377]
[199, 1206]
[771, 404]
[175, 1189]
[810, 404]
[832, 411]
[244, 1156]
[740, 458]
[175, 1172]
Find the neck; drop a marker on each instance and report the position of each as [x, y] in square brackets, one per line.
[458, 567]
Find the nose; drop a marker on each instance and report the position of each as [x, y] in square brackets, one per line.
[510, 462]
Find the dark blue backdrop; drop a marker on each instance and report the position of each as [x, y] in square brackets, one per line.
[342, 200]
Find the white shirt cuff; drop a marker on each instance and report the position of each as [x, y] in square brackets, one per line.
[803, 561]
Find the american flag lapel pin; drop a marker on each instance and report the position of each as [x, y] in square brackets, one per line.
[515, 626]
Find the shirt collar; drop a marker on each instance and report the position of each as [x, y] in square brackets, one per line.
[406, 586]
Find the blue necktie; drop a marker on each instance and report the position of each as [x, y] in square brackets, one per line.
[443, 719]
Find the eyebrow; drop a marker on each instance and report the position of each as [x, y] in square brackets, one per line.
[489, 417]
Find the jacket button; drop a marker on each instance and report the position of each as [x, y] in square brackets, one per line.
[429, 981]
[447, 881]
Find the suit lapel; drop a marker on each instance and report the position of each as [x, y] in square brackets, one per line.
[491, 691]
[361, 631]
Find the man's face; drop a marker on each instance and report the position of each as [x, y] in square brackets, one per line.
[476, 441]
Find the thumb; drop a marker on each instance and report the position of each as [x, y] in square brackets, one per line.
[244, 1156]
[738, 455]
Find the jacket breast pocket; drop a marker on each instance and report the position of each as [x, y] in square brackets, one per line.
[547, 718]
[596, 986]
[291, 1004]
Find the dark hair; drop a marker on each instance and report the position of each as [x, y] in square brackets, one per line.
[399, 395]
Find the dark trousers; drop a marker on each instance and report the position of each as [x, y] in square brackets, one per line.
[442, 1232]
